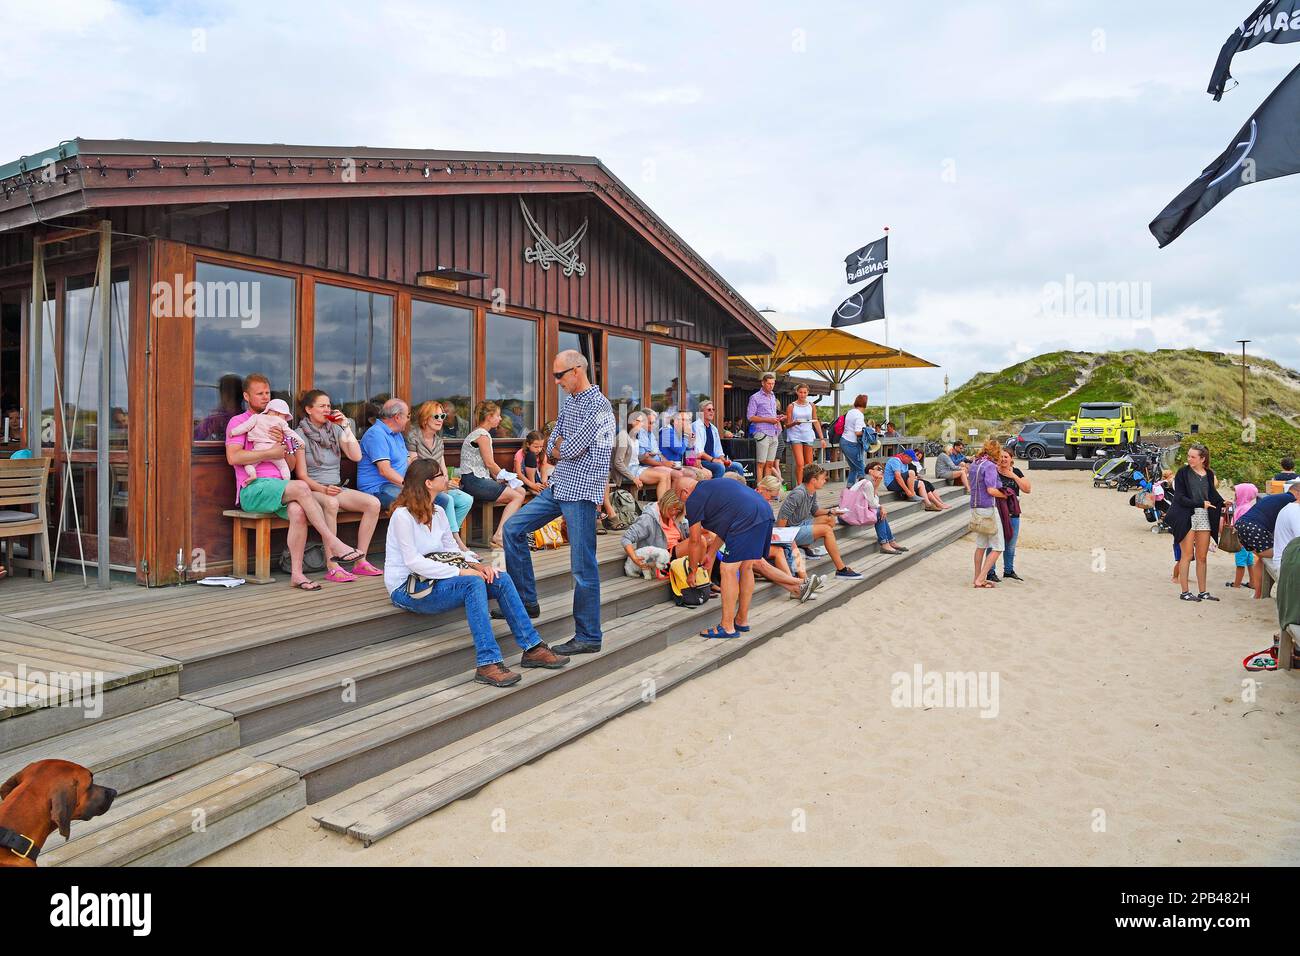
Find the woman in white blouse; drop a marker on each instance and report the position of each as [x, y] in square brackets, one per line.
[454, 578]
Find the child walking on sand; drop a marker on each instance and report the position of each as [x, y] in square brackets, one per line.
[258, 429]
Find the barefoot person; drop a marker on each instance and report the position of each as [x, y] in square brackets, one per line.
[986, 488]
[582, 447]
[268, 493]
[1194, 519]
[425, 571]
[326, 436]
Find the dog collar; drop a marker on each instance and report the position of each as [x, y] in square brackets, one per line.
[19, 845]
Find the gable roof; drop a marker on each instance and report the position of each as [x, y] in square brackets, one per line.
[85, 174]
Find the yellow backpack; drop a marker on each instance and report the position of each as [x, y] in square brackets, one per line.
[689, 589]
[548, 536]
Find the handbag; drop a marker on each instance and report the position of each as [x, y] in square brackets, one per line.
[548, 536]
[983, 524]
[421, 587]
[1229, 540]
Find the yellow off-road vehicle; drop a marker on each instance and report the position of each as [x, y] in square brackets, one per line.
[1098, 425]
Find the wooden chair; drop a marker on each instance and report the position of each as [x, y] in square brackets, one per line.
[23, 482]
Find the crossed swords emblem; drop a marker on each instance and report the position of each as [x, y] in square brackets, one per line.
[863, 260]
[544, 251]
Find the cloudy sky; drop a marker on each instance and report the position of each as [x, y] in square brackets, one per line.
[1007, 145]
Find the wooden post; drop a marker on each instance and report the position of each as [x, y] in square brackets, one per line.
[103, 412]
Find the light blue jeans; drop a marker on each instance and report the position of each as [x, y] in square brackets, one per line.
[580, 521]
[434, 597]
[883, 532]
[853, 455]
[456, 504]
[1009, 552]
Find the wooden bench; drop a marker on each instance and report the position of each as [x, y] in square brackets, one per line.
[262, 525]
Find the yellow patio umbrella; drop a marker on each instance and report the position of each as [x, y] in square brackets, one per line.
[832, 355]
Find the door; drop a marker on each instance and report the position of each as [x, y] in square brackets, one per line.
[13, 371]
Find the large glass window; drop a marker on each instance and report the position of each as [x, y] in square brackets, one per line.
[511, 372]
[623, 375]
[354, 350]
[243, 322]
[665, 379]
[81, 356]
[699, 378]
[441, 366]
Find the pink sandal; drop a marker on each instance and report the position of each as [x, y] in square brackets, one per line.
[339, 575]
[365, 567]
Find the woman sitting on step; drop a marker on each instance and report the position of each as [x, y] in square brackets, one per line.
[426, 571]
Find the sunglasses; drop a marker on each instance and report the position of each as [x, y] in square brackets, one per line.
[439, 415]
[560, 375]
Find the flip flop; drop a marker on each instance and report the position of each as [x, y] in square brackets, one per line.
[340, 575]
[364, 567]
[717, 631]
[1260, 661]
[307, 585]
[349, 558]
[984, 584]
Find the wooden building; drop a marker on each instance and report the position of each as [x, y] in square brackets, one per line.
[369, 273]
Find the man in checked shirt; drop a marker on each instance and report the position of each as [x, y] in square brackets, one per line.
[582, 446]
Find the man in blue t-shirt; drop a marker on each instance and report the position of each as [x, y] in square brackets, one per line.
[897, 477]
[739, 518]
[384, 455]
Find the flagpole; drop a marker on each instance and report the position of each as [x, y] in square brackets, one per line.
[886, 346]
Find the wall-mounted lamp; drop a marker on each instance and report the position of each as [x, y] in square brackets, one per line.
[448, 280]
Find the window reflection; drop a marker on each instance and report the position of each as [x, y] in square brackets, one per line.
[511, 365]
[441, 363]
[354, 351]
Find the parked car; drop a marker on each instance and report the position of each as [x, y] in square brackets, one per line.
[1039, 440]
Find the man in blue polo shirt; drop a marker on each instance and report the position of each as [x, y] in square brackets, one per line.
[384, 455]
[739, 518]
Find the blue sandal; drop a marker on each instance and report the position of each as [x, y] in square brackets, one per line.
[717, 631]
[741, 628]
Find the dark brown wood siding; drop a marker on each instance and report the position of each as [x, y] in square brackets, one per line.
[628, 284]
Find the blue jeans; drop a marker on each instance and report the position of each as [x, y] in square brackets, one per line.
[456, 504]
[716, 469]
[580, 520]
[853, 455]
[387, 495]
[883, 532]
[1009, 551]
[434, 597]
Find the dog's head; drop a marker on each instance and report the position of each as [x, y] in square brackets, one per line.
[69, 788]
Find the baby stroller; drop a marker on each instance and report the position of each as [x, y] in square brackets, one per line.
[1142, 474]
[1107, 472]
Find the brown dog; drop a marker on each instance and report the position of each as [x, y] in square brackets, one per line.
[40, 798]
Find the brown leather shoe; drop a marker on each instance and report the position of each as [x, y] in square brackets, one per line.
[497, 675]
[542, 656]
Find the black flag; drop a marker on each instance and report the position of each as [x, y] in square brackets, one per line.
[865, 305]
[1267, 147]
[1274, 21]
[870, 260]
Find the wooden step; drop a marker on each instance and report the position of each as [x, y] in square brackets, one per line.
[272, 703]
[127, 752]
[183, 818]
[340, 751]
[456, 771]
[37, 661]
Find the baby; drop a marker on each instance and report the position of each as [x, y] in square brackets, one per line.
[258, 429]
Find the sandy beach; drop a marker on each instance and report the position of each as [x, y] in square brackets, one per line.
[1122, 734]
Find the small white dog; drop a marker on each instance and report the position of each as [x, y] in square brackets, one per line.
[657, 558]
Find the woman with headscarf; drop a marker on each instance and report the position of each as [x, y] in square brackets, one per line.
[1246, 496]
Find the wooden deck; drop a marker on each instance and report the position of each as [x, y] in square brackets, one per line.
[226, 704]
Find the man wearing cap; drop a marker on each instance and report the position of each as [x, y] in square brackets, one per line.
[384, 454]
[905, 487]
